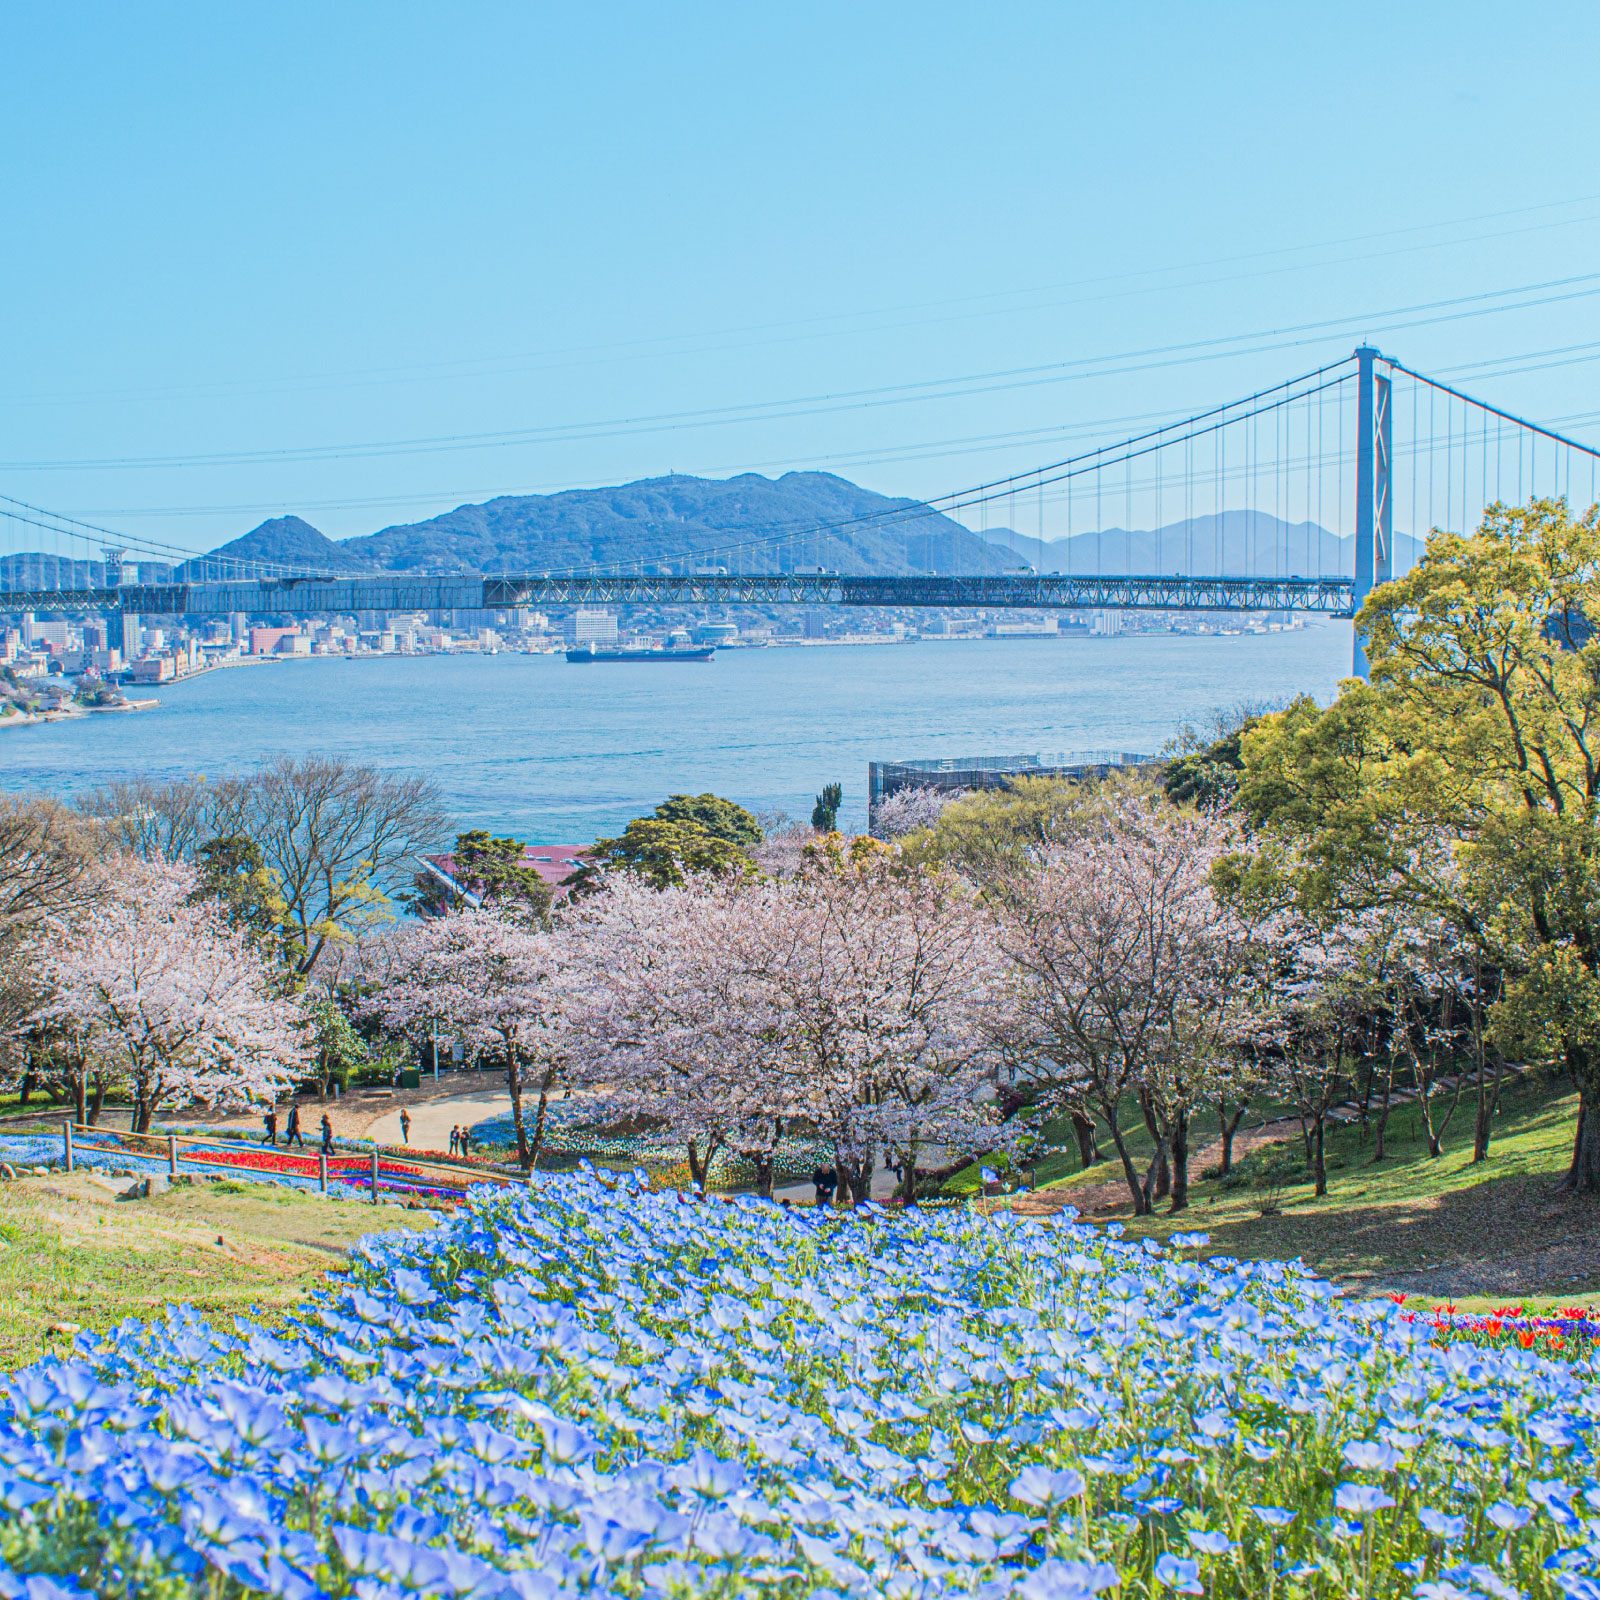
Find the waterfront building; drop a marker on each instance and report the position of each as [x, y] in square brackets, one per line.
[587, 626]
[553, 863]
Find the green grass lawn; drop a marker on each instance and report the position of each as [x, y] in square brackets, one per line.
[71, 1253]
[1440, 1228]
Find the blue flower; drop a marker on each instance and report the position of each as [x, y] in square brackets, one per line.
[1175, 1572]
[1440, 1525]
[1508, 1517]
[1039, 1486]
[1361, 1497]
[1274, 1516]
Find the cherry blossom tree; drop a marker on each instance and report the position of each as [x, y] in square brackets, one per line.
[910, 810]
[886, 983]
[499, 986]
[159, 983]
[675, 1026]
[854, 997]
[1133, 972]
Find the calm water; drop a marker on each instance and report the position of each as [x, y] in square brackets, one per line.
[560, 754]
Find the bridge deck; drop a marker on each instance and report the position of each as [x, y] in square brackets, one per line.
[1329, 596]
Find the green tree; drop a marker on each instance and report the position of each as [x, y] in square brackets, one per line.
[493, 872]
[338, 1050]
[825, 813]
[1209, 777]
[709, 813]
[232, 868]
[1465, 780]
[685, 833]
[983, 832]
[662, 852]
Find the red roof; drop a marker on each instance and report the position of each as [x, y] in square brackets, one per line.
[552, 862]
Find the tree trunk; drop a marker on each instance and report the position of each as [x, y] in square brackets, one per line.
[1163, 1173]
[764, 1162]
[1088, 1144]
[1583, 1176]
[1180, 1161]
[1129, 1171]
[26, 1091]
[1229, 1126]
[859, 1176]
[697, 1173]
[1320, 1167]
[1151, 1190]
[1485, 1115]
[539, 1118]
[514, 1085]
[98, 1104]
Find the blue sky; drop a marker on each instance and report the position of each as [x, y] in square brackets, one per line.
[239, 231]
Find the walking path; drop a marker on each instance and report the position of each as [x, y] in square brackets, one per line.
[432, 1120]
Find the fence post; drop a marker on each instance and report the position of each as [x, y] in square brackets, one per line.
[374, 1177]
[66, 1142]
[322, 1170]
[172, 1155]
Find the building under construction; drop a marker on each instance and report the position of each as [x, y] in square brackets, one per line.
[963, 773]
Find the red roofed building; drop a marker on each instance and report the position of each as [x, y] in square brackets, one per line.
[553, 863]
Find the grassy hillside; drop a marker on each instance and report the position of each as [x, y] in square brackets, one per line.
[73, 1255]
[1438, 1228]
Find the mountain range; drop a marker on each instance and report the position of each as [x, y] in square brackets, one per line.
[1236, 544]
[666, 524]
[653, 522]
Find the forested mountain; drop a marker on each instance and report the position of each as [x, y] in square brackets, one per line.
[653, 522]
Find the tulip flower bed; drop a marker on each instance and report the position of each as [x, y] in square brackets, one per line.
[1569, 1331]
[592, 1389]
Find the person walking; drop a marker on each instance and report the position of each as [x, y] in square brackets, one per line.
[825, 1180]
[464, 1139]
[291, 1132]
[455, 1140]
[271, 1120]
[327, 1135]
[405, 1125]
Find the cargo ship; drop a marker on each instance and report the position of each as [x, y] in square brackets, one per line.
[590, 652]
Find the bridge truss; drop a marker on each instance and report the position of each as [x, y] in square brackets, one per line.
[318, 596]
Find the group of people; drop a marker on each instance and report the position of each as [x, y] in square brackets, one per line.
[291, 1130]
[460, 1136]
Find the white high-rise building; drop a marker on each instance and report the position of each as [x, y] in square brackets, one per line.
[592, 627]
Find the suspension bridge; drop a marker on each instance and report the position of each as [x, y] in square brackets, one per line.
[1297, 498]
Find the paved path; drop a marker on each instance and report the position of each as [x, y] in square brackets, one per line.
[432, 1120]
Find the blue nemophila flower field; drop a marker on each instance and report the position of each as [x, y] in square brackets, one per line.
[591, 1389]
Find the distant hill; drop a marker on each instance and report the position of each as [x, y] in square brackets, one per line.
[1238, 543]
[292, 541]
[652, 522]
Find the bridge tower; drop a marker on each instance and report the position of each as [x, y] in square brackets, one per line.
[1374, 501]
